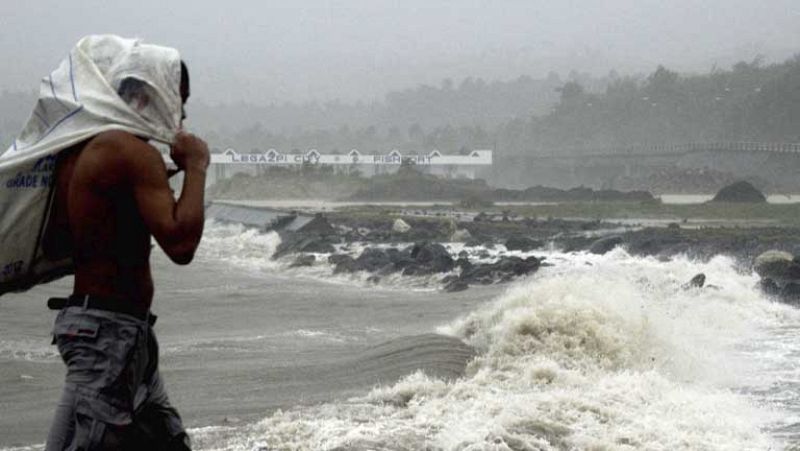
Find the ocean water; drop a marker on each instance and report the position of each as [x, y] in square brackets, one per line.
[591, 353]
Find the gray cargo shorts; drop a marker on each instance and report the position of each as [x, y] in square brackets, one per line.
[113, 396]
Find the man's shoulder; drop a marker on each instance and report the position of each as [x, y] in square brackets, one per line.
[117, 146]
[110, 157]
[121, 141]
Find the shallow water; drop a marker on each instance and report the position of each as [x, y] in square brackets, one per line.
[594, 352]
[701, 198]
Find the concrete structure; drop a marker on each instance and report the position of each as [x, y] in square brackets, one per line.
[267, 218]
[600, 168]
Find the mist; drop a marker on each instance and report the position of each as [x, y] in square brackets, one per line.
[359, 50]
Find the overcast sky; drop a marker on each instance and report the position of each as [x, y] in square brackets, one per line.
[303, 50]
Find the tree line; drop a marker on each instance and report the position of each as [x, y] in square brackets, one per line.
[750, 101]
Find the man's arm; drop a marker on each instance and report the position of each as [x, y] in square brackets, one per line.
[176, 226]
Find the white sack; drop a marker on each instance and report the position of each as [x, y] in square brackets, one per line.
[77, 101]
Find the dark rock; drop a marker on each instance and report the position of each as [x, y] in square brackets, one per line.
[790, 292]
[342, 263]
[449, 278]
[657, 242]
[295, 243]
[429, 258]
[335, 259]
[372, 259]
[319, 225]
[776, 265]
[303, 260]
[769, 287]
[740, 192]
[387, 269]
[521, 243]
[455, 286]
[463, 254]
[473, 242]
[464, 264]
[697, 282]
[373, 279]
[503, 270]
[604, 245]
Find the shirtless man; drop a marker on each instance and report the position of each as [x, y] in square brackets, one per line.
[112, 195]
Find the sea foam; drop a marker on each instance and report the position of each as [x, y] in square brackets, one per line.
[595, 353]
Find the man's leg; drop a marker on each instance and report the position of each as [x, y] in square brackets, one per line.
[97, 350]
[76, 431]
[155, 418]
[63, 428]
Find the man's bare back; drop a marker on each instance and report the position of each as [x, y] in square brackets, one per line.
[111, 198]
[112, 195]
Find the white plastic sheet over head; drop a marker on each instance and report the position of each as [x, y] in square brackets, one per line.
[105, 83]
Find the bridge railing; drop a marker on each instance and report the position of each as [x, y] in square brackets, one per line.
[656, 149]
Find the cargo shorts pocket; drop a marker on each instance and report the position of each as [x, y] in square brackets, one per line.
[100, 354]
[77, 340]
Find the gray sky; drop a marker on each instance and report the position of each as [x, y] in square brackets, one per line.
[359, 49]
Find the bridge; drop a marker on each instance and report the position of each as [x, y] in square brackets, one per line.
[605, 167]
[665, 150]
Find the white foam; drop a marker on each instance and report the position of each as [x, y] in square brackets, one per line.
[252, 250]
[28, 349]
[240, 246]
[594, 353]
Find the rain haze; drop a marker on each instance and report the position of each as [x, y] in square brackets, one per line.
[438, 225]
[275, 51]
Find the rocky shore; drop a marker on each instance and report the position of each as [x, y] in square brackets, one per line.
[412, 243]
[405, 186]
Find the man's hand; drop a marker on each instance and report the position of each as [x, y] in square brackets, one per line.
[189, 152]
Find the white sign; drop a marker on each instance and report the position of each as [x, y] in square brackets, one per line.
[273, 157]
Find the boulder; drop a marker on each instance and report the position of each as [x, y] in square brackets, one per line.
[372, 259]
[342, 263]
[464, 264]
[426, 252]
[790, 293]
[697, 282]
[429, 258]
[740, 192]
[775, 265]
[604, 245]
[521, 243]
[400, 226]
[502, 270]
[769, 287]
[473, 242]
[455, 286]
[303, 260]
